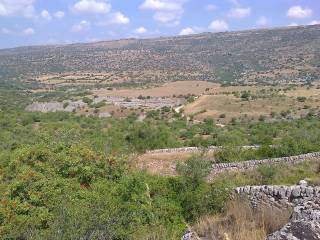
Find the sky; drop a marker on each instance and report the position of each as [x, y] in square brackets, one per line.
[41, 22]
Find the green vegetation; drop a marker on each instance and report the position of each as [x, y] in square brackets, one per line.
[64, 176]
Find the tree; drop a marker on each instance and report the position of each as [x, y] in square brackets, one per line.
[194, 170]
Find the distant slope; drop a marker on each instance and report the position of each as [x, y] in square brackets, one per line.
[256, 56]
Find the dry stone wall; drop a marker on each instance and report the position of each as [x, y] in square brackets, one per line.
[304, 222]
[279, 196]
[181, 150]
[252, 164]
[193, 149]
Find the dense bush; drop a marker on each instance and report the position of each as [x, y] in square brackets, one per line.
[69, 192]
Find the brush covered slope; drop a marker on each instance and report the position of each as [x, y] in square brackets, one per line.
[269, 56]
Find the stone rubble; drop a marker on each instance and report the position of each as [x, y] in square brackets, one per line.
[152, 103]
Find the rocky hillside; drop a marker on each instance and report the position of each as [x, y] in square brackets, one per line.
[257, 56]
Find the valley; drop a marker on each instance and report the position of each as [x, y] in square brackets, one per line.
[211, 136]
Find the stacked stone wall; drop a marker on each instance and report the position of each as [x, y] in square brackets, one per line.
[193, 149]
[279, 196]
[304, 222]
[252, 164]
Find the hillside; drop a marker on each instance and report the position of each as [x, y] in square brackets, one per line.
[283, 55]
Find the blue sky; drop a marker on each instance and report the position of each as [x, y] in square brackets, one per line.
[33, 22]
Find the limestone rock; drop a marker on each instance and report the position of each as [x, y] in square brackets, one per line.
[190, 236]
[298, 230]
[303, 183]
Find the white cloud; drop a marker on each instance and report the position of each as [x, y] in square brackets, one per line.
[59, 14]
[211, 7]
[116, 18]
[293, 25]
[5, 31]
[23, 8]
[187, 31]
[28, 31]
[299, 12]
[83, 26]
[168, 18]
[45, 15]
[263, 21]
[100, 7]
[235, 2]
[239, 12]
[218, 26]
[314, 22]
[162, 5]
[140, 30]
[92, 6]
[90, 40]
[167, 12]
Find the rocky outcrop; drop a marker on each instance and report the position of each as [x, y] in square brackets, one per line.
[304, 223]
[46, 107]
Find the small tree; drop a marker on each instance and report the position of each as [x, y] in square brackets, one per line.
[301, 99]
[194, 170]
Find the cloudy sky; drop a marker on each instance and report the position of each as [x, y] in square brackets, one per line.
[32, 22]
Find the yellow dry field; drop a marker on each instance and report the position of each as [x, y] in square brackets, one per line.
[304, 92]
[166, 90]
[234, 107]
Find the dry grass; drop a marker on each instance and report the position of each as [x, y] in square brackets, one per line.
[304, 92]
[240, 222]
[167, 90]
[215, 105]
[233, 107]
